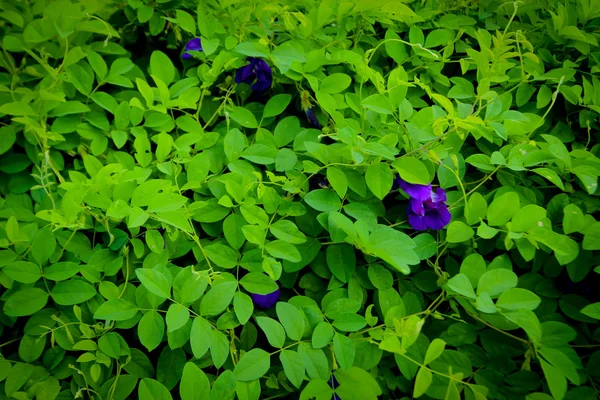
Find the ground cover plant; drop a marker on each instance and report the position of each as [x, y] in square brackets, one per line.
[342, 199]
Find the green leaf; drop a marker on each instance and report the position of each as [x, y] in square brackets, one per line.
[200, 337]
[72, 292]
[344, 350]
[322, 335]
[177, 316]
[485, 304]
[356, 383]
[293, 366]
[273, 331]
[527, 218]
[276, 105]
[232, 230]
[253, 365]
[219, 348]
[323, 200]
[162, 67]
[497, 281]
[476, 209]
[286, 131]
[151, 329]
[23, 271]
[412, 170]
[150, 389]
[234, 143]
[17, 377]
[155, 241]
[528, 321]
[154, 281]
[258, 283]
[105, 101]
[473, 266]
[426, 246]
[459, 232]
[551, 175]
[217, 299]
[251, 49]
[556, 380]
[243, 306]
[25, 301]
[288, 231]
[285, 160]
[223, 256]
[255, 215]
[338, 181]
[260, 154]
[435, 349]
[462, 285]
[224, 386]
[422, 382]
[146, 91]
[291, 318]
[110, 345]
[43, 245]
[516, 298]
[591, 237]
[349, 322]
[438, 37]
[283, 250]
[379, 179]
[116, 310]
[186, 21]
[243, 117]
[573, 219]
[98, 65]
[189, 286]
[503, 208]
[335, 83]
[592, 310]
[194, 383]
[378, 103]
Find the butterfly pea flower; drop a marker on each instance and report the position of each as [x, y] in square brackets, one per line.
[258, 74]
[333, 384]
[427, 208]
[193, 45]
[312, 118]
[310, 112]
[266, 301]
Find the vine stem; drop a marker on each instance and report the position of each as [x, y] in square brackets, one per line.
[526, 342]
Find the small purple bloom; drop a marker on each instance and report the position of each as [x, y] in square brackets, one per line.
[266, 300]
[414, 190]
[333, 384]
[193, 45]
[258, 74]
[434, 216]
[312, 118]
[427, 208]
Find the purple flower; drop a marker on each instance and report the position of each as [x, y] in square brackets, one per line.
[312, 118]
[266, 300]
[258, 74]
[333, 384]
[193, 45]
[414, 190]
[427, 208]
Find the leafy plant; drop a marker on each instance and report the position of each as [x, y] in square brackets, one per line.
[299, 199]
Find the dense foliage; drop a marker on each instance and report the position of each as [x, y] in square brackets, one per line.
[348, 199]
